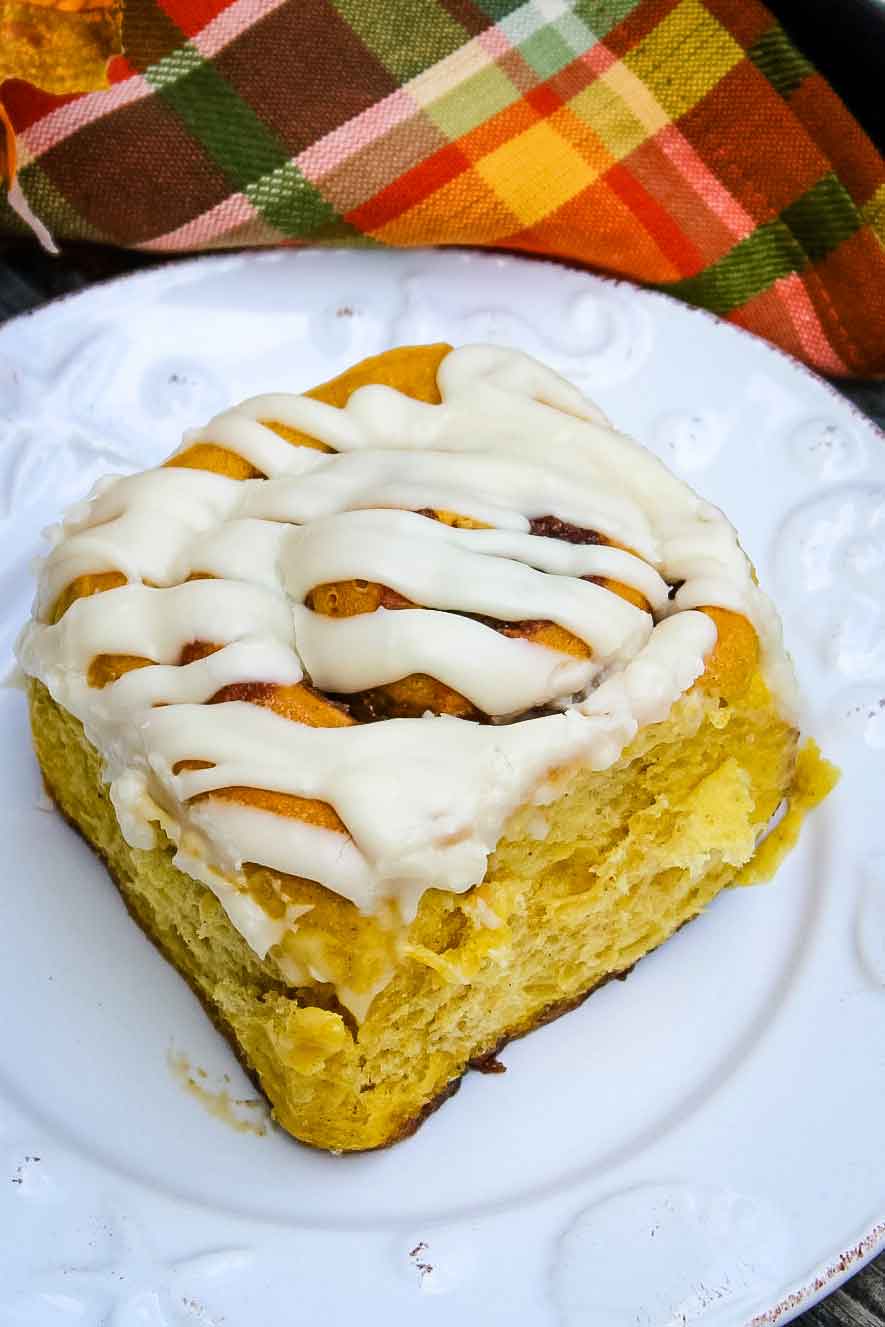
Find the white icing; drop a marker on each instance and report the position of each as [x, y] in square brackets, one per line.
[138, 812]
[157, 623]
[424, 800]
[500, 675]
[492, 489]
[432, 564]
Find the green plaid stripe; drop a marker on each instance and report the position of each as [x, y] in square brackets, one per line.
[424, 33]
[779, 61]
[805, 232]
[230, 131]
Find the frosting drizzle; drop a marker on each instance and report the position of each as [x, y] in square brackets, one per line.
[234, 562]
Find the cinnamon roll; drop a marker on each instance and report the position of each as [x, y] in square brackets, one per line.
[404, 713]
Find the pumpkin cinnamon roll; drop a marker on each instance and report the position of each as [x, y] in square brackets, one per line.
[404, 713]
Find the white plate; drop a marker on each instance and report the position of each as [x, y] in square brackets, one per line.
[702, 1144]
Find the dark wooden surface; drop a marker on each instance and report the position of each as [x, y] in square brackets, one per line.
[29, 278]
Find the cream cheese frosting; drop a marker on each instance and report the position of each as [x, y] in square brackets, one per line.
[423, 801]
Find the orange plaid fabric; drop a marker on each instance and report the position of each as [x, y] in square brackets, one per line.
[686, 144]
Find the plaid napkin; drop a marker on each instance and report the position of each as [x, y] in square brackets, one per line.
[686, 144]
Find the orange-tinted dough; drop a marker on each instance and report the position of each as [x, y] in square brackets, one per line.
[410, 698]
[550, 635]
[735, 656]
[627, 592]
[453, 519]
[281, 804]
[83, 587]
[298, 703]
[411, 369]
[210, 456]
[107, 668]
[352, 598]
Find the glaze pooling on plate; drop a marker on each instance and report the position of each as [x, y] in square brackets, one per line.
[511, 443]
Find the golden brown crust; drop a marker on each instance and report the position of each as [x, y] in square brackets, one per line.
[274, 1022]
[486, 1062]
[482, 1061]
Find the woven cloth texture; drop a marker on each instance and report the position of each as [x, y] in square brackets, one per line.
[685, 144]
